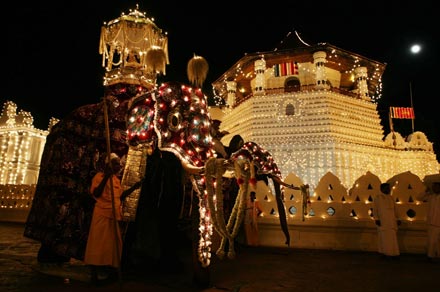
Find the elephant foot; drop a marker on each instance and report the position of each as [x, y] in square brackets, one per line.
[202, 279]
[220, 253]
[171, 265]
[201, 275]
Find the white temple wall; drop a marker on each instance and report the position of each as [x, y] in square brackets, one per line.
[340, 218]
[331, 236]
[310, 145]
[348, 162]
[334, 77]
[307, 74]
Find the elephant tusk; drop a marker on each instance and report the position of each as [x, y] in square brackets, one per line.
[191, 169]
[229, 173]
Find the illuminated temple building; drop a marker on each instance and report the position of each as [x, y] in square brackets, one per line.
[21, 148]
[314, 108]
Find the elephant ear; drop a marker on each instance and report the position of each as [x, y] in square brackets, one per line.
[156, 60]
[140, 119]
[262, 159]
[182, 122]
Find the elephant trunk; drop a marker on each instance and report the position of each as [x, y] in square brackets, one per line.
[281, 210]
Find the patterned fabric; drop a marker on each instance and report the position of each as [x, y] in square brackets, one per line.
[177, 115]
[74, 151]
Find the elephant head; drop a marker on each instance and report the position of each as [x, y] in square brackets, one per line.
[249, 163]
[176, 117]
[264, 165]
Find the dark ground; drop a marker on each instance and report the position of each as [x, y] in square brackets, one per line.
[253, 270]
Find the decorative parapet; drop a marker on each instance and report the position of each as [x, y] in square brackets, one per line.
[15, 202]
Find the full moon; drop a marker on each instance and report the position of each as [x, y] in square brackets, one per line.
[415, 49]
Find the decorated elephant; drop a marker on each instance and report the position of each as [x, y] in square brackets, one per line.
[174, 118]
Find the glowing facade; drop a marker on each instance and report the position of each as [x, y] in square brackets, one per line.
[314, 108]
[21, 146]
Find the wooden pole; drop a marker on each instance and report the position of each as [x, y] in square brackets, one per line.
[390, 120]
[412, 107]
[392, 127]
[115, 225]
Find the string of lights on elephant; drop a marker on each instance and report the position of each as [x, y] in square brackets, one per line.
[176, 117]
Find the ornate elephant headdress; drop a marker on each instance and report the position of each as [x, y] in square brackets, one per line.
[177, 116]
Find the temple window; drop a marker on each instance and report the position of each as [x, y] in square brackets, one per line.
[290, 110]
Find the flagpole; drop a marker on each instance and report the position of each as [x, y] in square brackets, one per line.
[410, 96]
[390, 117]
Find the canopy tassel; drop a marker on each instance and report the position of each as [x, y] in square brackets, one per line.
[197, 70]
[156, 60]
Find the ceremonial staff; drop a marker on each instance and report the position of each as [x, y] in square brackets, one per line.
[115, 221]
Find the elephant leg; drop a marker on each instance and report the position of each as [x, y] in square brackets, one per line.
[221, 249]
[201, 275]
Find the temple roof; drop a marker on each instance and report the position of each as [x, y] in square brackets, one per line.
[296, 49]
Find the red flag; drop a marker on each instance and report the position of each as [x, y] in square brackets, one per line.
[402, 112]
[284, 69]
[295, 68]
[292, 68]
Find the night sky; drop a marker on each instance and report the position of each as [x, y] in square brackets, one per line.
[52, 64]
